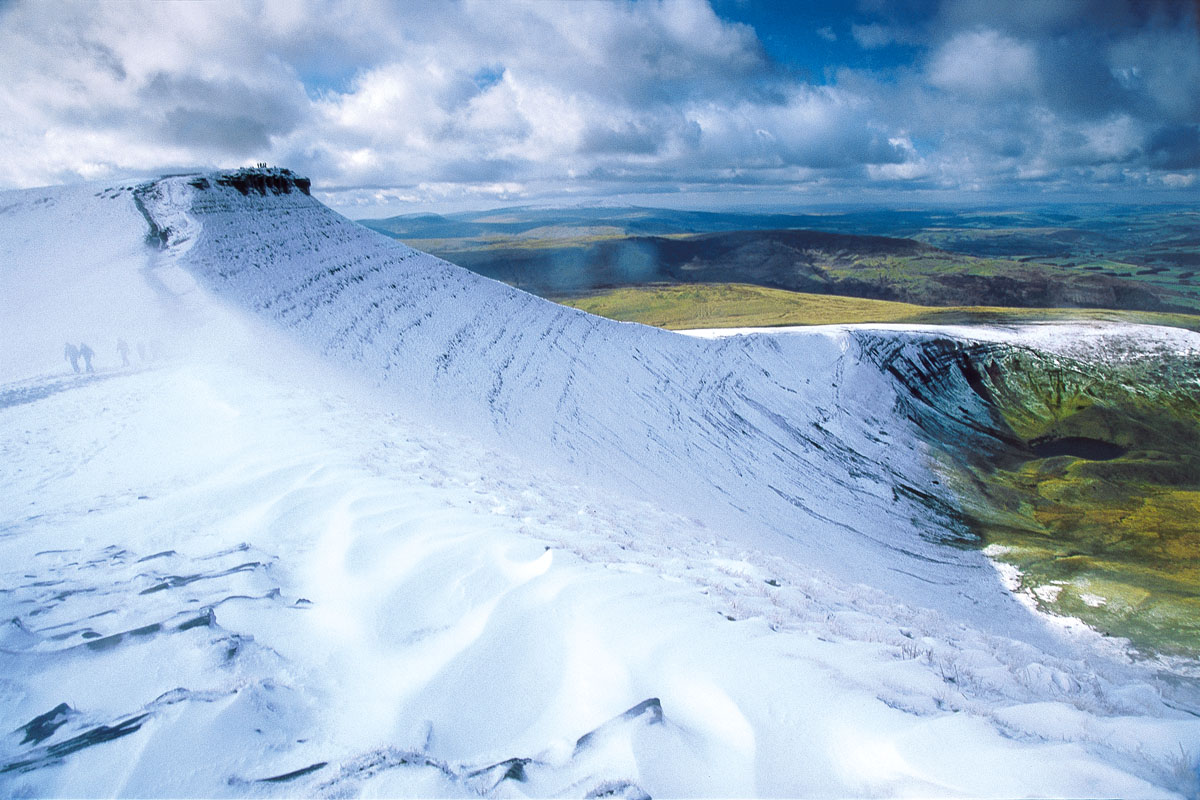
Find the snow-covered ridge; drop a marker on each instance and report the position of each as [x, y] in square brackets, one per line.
[537, 554]
[792, 441]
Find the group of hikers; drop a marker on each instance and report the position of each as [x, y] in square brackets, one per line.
[73, 354]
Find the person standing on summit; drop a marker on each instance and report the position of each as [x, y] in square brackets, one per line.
[87, 354]
[71, 353]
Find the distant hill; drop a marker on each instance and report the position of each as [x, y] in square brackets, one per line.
[629, 220]
[875, 267]
[1085, 257]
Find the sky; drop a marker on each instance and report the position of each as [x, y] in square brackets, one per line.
[394, 107]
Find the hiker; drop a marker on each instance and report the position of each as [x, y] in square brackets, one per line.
[123, 349]
[71, 353]
[87, 354]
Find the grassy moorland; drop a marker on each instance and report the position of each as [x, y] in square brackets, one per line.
[1089, 256]
[732, 305]
[1099, 510]
[868, 267]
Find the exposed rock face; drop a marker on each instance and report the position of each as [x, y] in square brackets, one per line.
[263, 180]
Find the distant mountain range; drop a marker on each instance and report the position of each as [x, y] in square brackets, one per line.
[1157, 232]
[1080, 257]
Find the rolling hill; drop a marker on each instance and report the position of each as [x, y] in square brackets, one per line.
[1071, 257]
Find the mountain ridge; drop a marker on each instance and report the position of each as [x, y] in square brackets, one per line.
[754, 432]
[368, 522]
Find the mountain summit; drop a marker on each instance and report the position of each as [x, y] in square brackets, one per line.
[361, 521]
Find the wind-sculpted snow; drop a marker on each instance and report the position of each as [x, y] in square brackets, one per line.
[367, 524]
[791, 440]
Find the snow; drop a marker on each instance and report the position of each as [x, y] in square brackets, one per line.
[752, 435]
[1081, 339]
[544, 566]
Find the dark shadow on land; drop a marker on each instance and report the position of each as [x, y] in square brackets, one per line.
[41, 388]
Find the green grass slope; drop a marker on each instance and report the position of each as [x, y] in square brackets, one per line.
[1110, 537]
[733, 305]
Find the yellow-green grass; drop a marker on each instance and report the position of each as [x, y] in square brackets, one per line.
[1114, 542]
[737, 305]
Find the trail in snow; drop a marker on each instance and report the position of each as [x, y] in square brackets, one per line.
[245, 572]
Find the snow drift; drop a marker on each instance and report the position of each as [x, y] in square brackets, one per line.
[791, 441]
[374, 524]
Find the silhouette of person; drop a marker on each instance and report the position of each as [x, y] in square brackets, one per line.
[71, 353]
[141, 347]
[87, 354]
[123, 349]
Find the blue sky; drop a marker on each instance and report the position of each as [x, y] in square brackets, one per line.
[399, 107]
[817, 38]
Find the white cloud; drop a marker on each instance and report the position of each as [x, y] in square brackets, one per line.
[872, 36]
[480, 99]
[984, 64]
[95, 88]
[907, 171]
[649, 89]
[1113, 139]
[566, 87]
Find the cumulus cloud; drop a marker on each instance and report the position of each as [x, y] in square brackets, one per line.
[598, 93]
[984, 64]
[428, 101]
[221, 115]
[97, 89]
[1081, 95]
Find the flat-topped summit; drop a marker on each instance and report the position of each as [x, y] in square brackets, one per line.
[261, 179]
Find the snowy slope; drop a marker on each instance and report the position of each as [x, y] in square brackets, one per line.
[460, 541]
[76, 269]
[790, 442]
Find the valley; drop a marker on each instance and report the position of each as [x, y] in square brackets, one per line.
[1085, 477]
[1070, 257]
